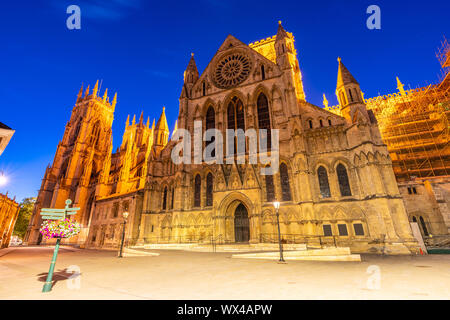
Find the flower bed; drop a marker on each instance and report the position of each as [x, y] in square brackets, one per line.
[60, 228]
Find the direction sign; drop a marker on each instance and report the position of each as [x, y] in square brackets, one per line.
[58, 214]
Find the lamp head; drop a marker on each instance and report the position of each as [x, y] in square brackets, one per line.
[276, 205]
[125, 215]
[3, 179]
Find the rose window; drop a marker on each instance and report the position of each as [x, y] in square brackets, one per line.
[232, 70]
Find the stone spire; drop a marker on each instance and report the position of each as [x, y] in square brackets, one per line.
[281, 33]
[105, 96]
[127, 123]
[400, 87]
[141, 118]
[80, 93]
[344, 76]
[191, 74]
[161, 132]
[94, 92]
[349, 96]
[113, 104]
[87, 91]
[325, 101]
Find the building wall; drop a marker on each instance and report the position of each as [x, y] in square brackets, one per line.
[9, 210]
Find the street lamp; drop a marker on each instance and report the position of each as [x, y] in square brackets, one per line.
[3, 179]
[125, 216]
[276, 205]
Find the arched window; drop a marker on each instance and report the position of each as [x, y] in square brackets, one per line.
[310, 124]
[321, 122]
[350, 93]
[235, 117]
[204, 88]
[164, 206]
[209, 190]
[264, 118]
[173, 198]
[414, 219]
[211, 124]
[323, 182]
[329, 122]
[197, 190]
[344, 185]
[270, 191]
[263, 73]
[77, 130]
[95, 134]
[424, 226]
[285, 186]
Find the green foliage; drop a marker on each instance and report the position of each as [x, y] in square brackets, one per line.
[26, 209]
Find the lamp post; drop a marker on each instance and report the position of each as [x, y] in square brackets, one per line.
[276, 205]
[125, 216]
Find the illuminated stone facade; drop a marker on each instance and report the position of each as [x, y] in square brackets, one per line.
[9, 210]
[415, 125]
[335, 180]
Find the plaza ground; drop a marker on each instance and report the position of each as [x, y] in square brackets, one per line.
[204, 275]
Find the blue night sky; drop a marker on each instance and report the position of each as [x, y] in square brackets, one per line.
[141, 48]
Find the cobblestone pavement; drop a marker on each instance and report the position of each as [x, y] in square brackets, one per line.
[199, 275]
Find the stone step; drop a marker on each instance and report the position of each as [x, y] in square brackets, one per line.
[326, 254]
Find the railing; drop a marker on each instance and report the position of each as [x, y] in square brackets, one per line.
[300, 239]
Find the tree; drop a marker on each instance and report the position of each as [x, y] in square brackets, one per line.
[23, 219]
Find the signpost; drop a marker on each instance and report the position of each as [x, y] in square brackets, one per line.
[55, 214]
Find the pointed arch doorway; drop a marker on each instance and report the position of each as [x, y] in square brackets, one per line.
[241, 224]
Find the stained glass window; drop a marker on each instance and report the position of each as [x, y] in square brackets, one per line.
[323, 182]
[264, 117]
[344, 184]
[285, 186]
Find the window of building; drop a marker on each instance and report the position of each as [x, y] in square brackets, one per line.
[172, 198]
[264, 118]
[310, 124]
[164, 206]
[204, 88]
[209, 190]
[329, 122]
[197, 190]
[327, 232]
[321, 122]
[270, 191]
[424, 226]
[414, 190]
[95, 134]
[285, 186]
[323, 182]
[350, 93]
[359, 230]
[263, 73]
[115, 209]
[409, 190]
[342, 229]
[344, 184]
[211, 124]
[235, 117]
[152, 228]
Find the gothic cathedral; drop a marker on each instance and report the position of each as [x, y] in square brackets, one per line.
[335, 180]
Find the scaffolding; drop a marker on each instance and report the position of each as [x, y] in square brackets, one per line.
[415, 126]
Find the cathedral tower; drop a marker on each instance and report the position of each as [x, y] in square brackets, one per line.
[78, 161]
[286, 58]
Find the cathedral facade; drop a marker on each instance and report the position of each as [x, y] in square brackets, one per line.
[334, 180]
